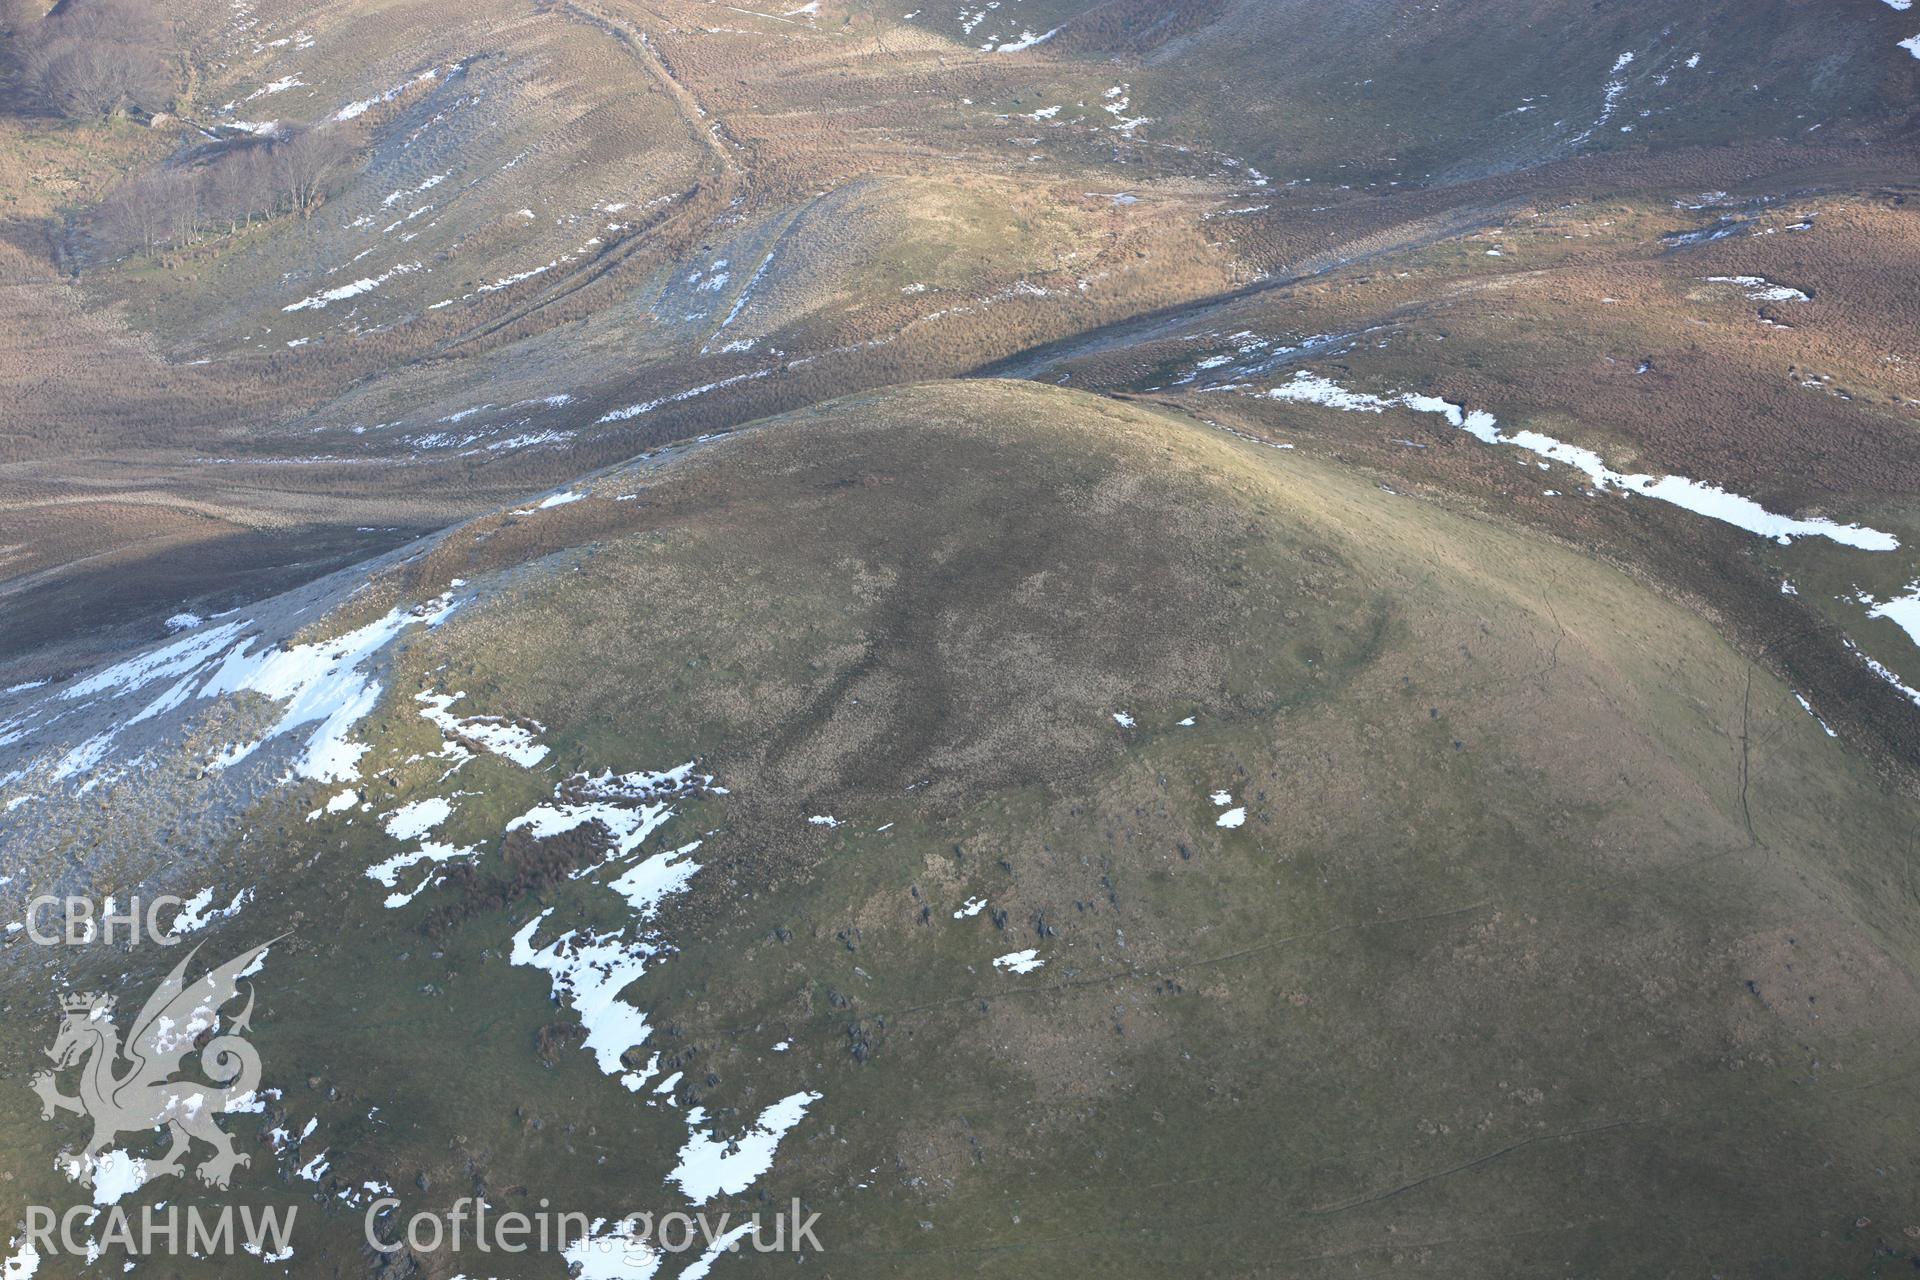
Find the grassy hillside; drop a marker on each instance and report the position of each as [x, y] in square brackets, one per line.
[1408, 890]
[1119, 637]
[548, 237]
[1346, 93]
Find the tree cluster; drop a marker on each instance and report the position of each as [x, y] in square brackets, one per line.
[225, 190]
[93, 59]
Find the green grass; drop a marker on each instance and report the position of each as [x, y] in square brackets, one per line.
[1469, 991]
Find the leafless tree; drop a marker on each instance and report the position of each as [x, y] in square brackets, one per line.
[20, 22]
[94, 59]
[179, 194]
[238, 188]
[136, 215]
[220, 189]
[306, 164]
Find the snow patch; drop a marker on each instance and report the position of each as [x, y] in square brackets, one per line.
[326, 682]
[627, 807]
[1693, 495]
[1808, 708]
[1027, 40]
[353, 109]
[365, 284]
[500, 736]
[617, 1252]
[197, 912]
[1019, 961]
[22, 1263]
[432, 852]
[711, 1165]
[1760, 289]
[415, 818]
[135, 673]
[589, 969]
[1902, 611]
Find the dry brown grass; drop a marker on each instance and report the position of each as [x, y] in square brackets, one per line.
[871, 159]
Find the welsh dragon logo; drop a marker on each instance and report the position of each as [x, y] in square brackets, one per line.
[129, 1089]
